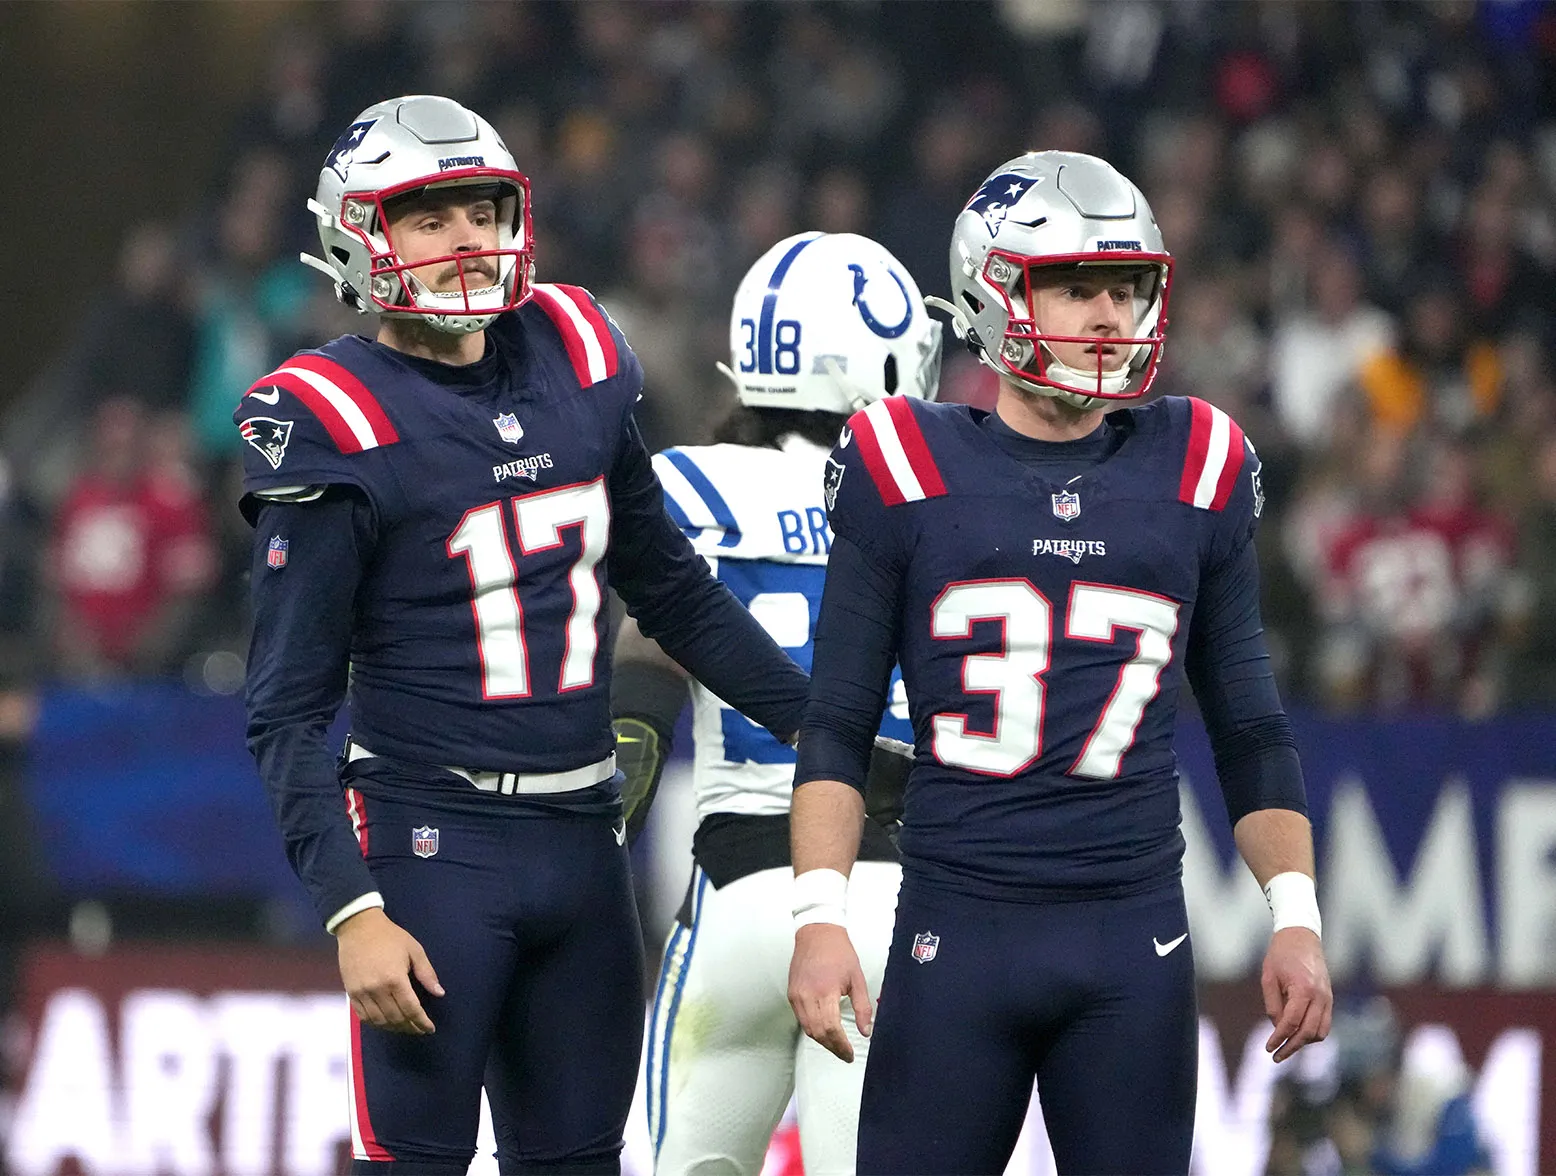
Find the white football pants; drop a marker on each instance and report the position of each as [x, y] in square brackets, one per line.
[724, 1050]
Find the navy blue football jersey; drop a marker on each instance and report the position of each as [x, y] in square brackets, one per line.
[479, 634]
[1043, 630]
[449, 532]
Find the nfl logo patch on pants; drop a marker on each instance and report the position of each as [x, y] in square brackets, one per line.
[424, 841]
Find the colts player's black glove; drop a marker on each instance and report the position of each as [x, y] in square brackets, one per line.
[646, 700]
[890, 762]
[641, 751]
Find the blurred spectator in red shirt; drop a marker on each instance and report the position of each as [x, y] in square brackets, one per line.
[1417, 592]
[131, 550]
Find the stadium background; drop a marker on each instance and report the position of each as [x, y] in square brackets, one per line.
[1361, 198]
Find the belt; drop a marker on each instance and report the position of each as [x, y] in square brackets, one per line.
[519, 783]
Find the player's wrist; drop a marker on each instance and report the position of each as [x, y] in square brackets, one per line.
[351, 914]
[1293, 902]
[820, 896]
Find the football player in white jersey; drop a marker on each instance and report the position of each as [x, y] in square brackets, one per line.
[822, 325]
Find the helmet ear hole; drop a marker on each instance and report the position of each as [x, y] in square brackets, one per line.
[973, 304]
[340, 255]
[889, 375]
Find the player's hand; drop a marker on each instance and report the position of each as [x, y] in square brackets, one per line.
[377, 959]
[1297, 997]
[825, 969]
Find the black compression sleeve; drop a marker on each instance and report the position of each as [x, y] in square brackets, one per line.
[1228, 666]
[654, 693]
[856, 645]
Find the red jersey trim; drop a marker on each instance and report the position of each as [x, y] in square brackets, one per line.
[350, 413]
[1215, 456]
[896, 453]
[590, 345]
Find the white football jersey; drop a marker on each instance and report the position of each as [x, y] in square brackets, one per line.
[758, 517]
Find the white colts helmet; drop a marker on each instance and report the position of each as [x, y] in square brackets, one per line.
[399, 147]
[1056, 209]
[830, 322]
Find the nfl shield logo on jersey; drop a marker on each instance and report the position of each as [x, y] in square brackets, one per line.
[1067, 506]
[424, 841]
[275, 555]
[508, 427]
[925, 945]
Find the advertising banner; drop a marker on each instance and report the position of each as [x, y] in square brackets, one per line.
[233, 1061]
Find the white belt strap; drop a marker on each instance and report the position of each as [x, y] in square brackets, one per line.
[522, 783]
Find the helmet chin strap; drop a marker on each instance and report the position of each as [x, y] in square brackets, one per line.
[1111, 382]
[460, 301]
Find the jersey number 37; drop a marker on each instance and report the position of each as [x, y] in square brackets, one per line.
[1015, 675]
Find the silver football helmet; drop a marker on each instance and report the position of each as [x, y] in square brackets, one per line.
[398, 147]
[1056, 209]
[830, 322]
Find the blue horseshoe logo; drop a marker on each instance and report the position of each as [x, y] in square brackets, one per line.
[881, 329]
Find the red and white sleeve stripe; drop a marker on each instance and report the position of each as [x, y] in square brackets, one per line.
[350, 413]
[589, 342]
[1214, 458]
[895, 452]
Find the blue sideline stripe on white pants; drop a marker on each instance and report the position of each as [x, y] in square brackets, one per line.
[667, 1000]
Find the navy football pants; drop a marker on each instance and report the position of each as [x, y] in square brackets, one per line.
[1077, 995]
[531, 926]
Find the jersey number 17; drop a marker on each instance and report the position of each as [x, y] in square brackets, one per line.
[539, 519]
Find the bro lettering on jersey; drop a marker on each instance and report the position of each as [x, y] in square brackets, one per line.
[757, 516]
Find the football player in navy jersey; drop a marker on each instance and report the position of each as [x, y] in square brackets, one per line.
[1042, 572]
[822, 324]
[437, 513]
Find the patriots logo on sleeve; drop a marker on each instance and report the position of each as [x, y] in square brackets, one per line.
[268, 436]
[997, 197]
[832, 480]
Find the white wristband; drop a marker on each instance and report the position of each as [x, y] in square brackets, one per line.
[1293, 901]
[820, 896]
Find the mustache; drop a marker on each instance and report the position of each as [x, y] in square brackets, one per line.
[484, 266]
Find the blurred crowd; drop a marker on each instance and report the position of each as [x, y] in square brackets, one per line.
[1361, 1103]
[1360, 197]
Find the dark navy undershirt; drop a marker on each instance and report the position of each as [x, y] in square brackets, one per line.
[1227, 663]
[1056, 460]
[484, 373]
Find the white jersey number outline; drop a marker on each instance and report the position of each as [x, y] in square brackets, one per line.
[1015, 675]
[539, 519]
